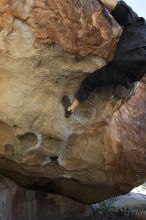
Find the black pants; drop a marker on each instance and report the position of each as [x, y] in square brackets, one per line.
[107, 75]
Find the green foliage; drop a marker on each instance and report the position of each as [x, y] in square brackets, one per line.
[128, 213]
[106, 206]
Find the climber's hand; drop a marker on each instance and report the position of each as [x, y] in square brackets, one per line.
[110, 4]
[73, 105]
[68, 106]
[68, 112]
[71, 108]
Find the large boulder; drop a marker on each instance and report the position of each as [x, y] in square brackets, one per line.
[46, 49]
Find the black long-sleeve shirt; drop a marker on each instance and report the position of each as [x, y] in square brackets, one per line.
[129, 62]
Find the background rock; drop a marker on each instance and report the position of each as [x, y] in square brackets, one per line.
[135, 200]
[21, 204]
[100, 151]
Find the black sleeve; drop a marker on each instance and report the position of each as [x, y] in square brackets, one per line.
[107, 75]
[124, 14]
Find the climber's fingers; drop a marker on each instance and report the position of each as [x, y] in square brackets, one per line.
[67, 106]
[70, 108]
[68, 112]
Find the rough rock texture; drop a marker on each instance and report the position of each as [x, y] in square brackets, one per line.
[79, 27]
[17, 203]
[101, 150]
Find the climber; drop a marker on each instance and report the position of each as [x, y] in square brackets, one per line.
[129, 62]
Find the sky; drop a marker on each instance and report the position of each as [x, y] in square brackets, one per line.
[139, 6]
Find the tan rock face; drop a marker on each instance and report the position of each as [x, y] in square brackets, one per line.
[100, 151]
[79, 27]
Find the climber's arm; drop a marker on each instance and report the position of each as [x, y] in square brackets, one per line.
[109, 75]
[87, 86]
